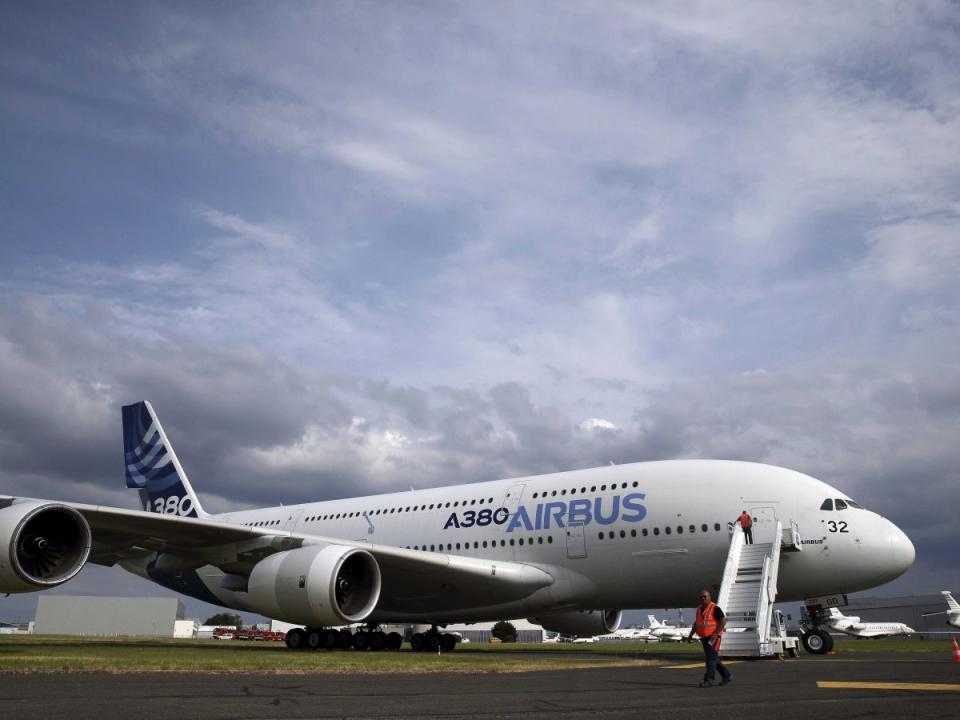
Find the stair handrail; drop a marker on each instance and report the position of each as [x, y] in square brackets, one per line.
[763, 604]
[771, 586]
[730, 569]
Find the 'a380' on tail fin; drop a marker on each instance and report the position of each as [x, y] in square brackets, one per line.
[152, 466]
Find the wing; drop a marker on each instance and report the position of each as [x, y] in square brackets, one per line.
[412, 581]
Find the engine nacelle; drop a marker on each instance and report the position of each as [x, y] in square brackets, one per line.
[583, 623]
[316, 586]
[42, 545]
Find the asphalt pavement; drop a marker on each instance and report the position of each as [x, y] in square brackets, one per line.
[786, 689]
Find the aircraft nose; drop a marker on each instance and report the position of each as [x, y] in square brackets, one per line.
[902, 552]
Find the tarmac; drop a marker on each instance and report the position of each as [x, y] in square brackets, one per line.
[854, 685]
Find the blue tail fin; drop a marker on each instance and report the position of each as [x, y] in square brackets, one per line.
[152, 466]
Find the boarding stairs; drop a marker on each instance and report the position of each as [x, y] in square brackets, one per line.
[748, 591]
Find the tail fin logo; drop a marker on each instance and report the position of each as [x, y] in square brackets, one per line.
[152, 466]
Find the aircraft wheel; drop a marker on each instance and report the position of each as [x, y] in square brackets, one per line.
[328, 639]
[418, 642]
[313, 639]
[394, 641]
[295, 639]
[817, 641]
[378, 641]
[433, 641]
[361, 641]
[343, 640]
[448, 642]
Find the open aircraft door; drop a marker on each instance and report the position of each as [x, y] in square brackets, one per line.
[764, 521]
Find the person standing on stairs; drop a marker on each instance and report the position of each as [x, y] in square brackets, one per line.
[709, 625]
[746, 522]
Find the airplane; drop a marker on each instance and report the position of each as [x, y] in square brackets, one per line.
[630, 634]
[952, 612]
[665, 632]
[851, 625]
[568, 550]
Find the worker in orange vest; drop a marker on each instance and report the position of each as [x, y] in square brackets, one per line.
[746, 522]
[709, 625]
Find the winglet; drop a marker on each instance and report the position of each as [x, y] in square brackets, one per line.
[152, 466]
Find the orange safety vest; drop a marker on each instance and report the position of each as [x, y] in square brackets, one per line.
[746, 521]
[705, 625]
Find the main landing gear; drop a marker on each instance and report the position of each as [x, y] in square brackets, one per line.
[433, 641]
[366, 637]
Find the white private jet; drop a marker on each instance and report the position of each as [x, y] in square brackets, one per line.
[851, 625]
[568, 550]
[630, 635]
[665, 632]
[952, 612]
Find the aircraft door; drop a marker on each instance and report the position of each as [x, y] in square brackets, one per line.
[576, 541]
[292, 520]
[511, 500]
[764, 522]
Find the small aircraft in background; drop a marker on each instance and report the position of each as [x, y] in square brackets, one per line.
[666, 632]
[952, 612]
[630, 635]
[851, 625]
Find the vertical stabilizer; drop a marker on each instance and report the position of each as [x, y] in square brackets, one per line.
[153, 468]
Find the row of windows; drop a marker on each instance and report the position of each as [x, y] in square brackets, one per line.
[477, 544]
[263, 523]
[408, 508]
[583, 490]
[656, 531]
[828, 504]
[464, 503]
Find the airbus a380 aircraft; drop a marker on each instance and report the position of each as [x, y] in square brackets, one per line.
[568, 549]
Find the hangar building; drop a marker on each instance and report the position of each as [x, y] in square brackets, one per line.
[130, 616]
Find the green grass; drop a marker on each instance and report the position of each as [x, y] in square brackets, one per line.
[35, 653]
[28, 654]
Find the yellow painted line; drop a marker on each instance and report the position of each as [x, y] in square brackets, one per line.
[700, 665]
[938, 687]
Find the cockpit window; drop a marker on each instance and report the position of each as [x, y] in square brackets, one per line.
[852, 504]
[841, 505]
[827, 504]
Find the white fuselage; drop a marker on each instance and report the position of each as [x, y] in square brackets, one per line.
[628, 536]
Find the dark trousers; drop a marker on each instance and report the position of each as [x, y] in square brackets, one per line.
[748, 536]
[712, 661]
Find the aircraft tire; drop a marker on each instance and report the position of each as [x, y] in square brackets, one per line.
[394, 641]
[343, 640]
[433, 641]
[378, 641]
[361, 640]
[295, 639]
[817, 641]
[313, 639]
[448, 642]
[418, 642]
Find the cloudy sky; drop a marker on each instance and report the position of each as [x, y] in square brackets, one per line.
[349, 248]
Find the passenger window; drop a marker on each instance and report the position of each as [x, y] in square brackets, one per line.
[827, 504]
[716, 526]
[841, 505]
[667, 529]
[644, 532]
[656, 531]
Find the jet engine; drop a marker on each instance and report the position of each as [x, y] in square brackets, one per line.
[42, 545]
[583, 623]
[316, 586]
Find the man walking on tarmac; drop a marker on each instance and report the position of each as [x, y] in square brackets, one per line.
[709, 626]
[746, 522]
